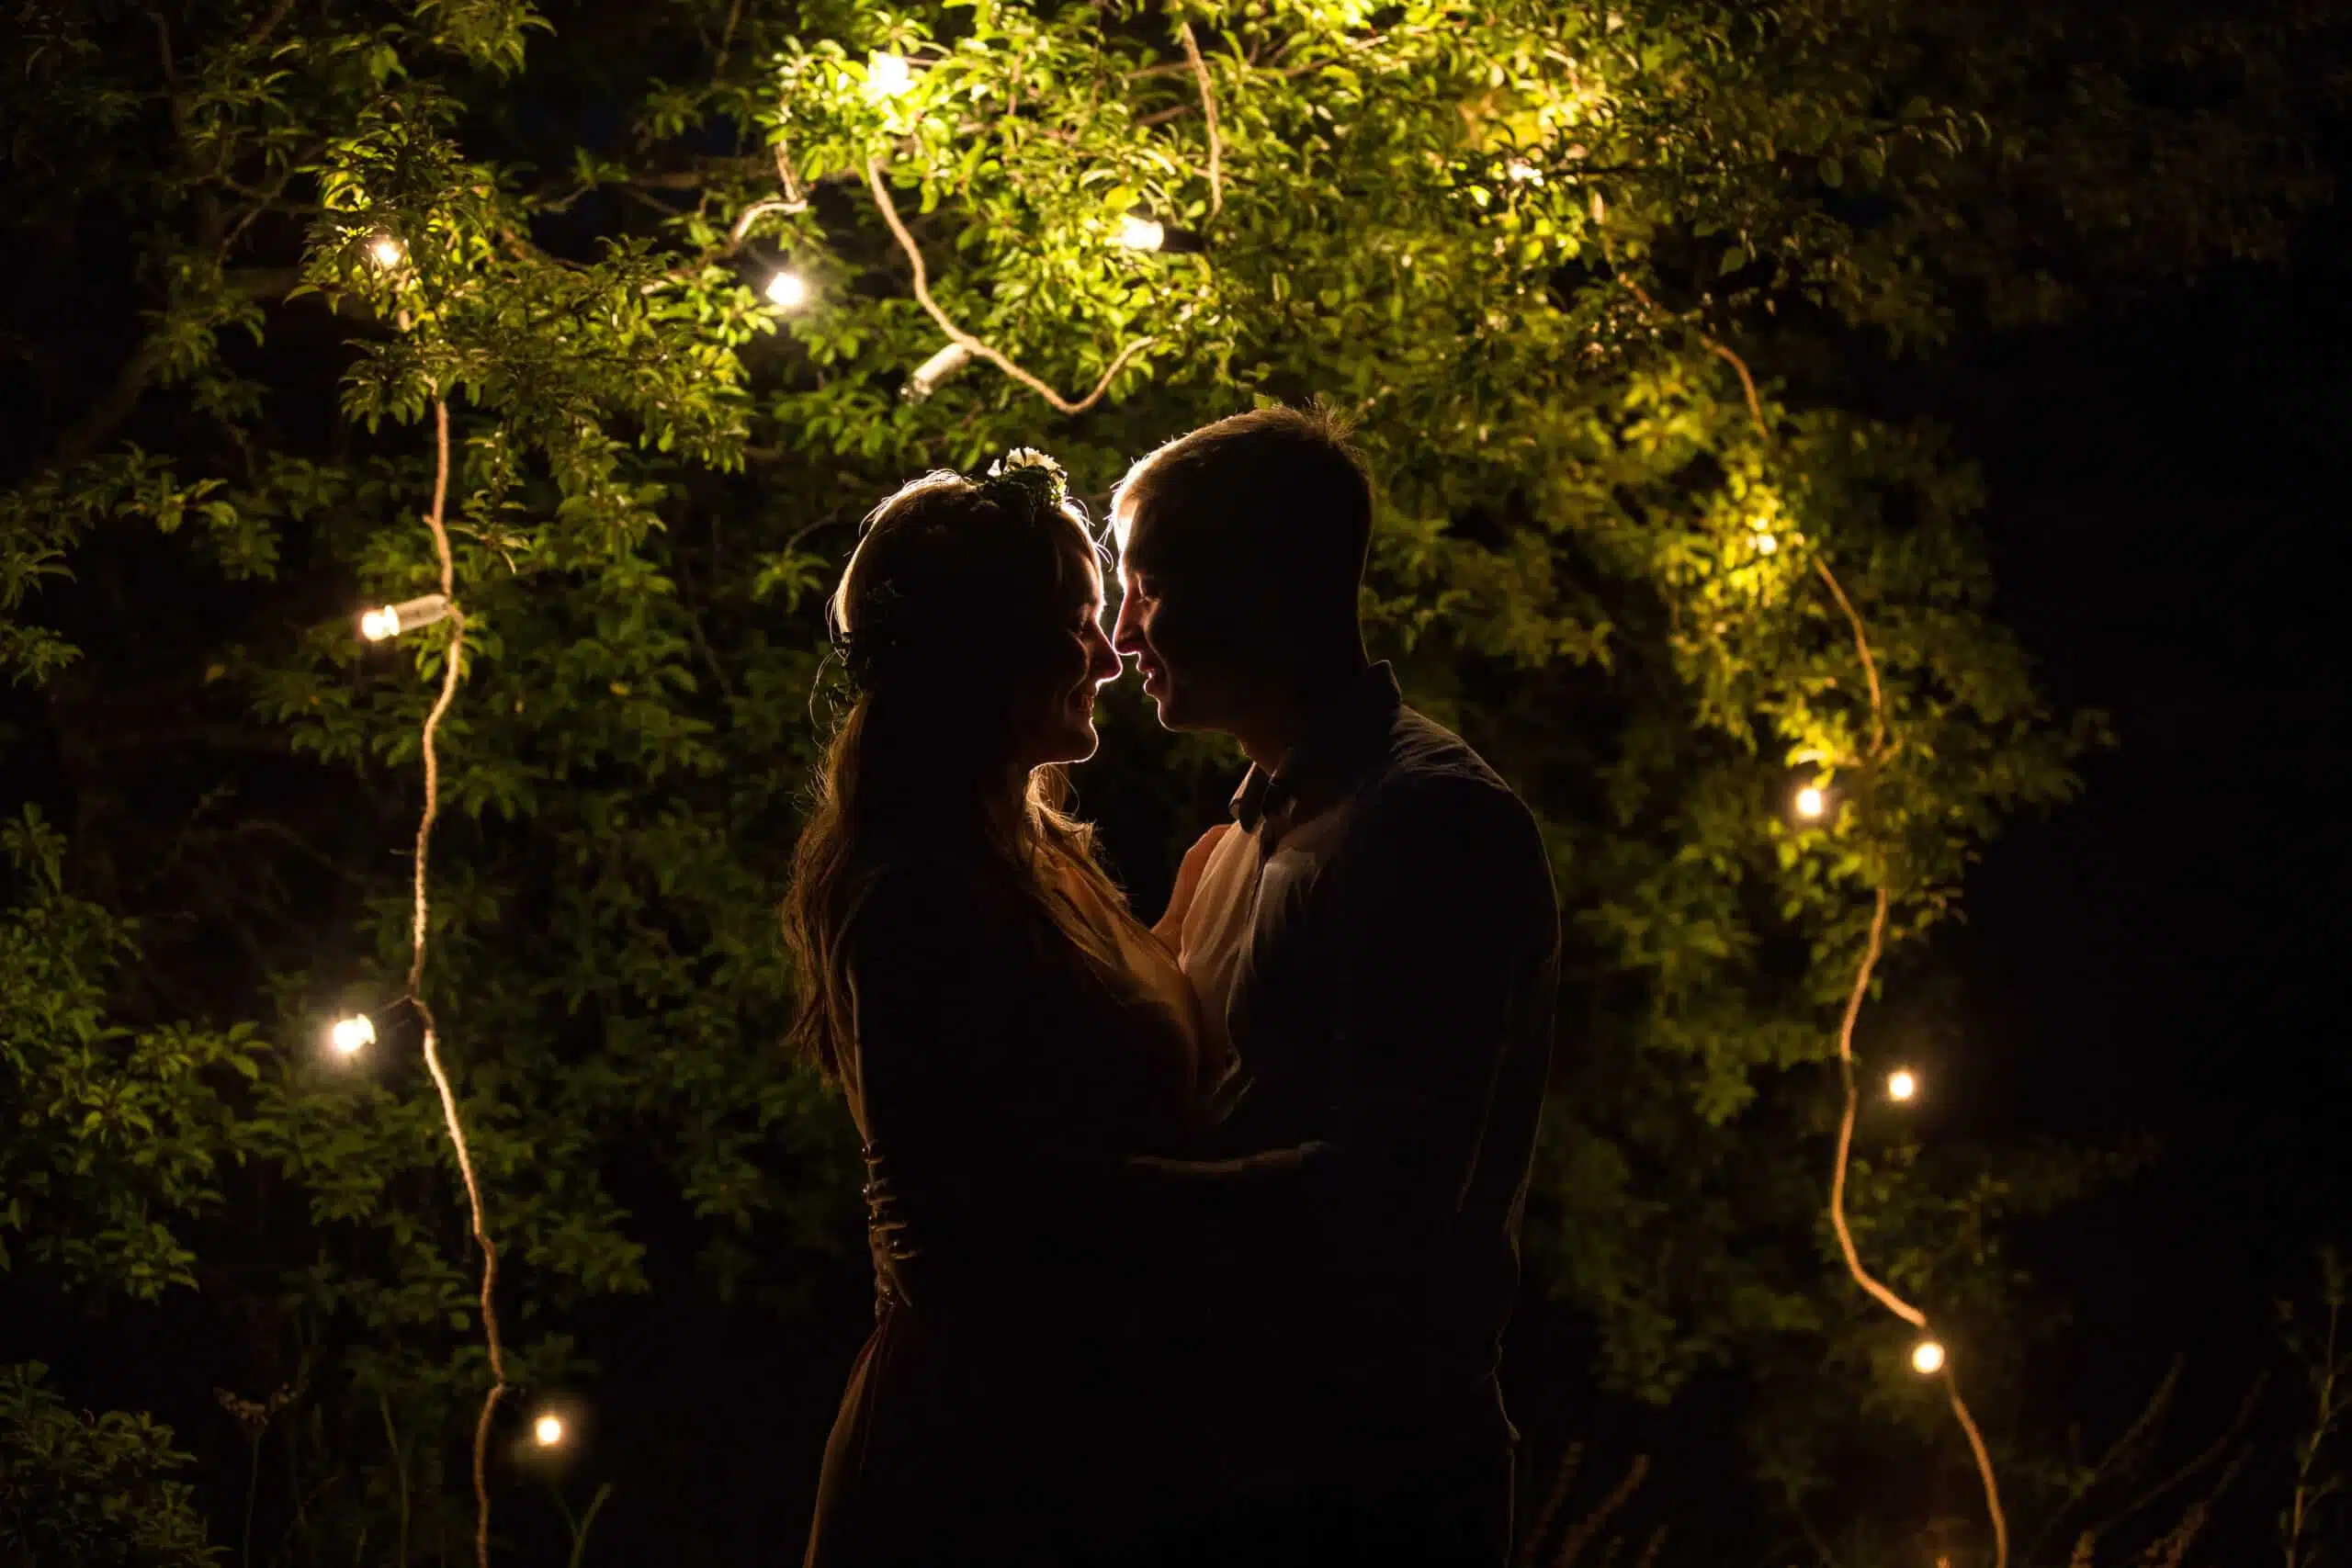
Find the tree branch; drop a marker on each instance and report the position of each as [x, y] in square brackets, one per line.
[958, 336]
[1208, 116]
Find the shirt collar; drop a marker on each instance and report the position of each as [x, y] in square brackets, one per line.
[1340, 737]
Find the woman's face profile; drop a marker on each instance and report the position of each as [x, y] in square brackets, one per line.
[1053, 713]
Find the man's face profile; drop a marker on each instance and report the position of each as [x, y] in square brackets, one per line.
[1177, 622]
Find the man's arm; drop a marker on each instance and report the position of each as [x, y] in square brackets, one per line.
[1444, 964]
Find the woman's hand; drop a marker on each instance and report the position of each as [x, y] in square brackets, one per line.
[1170, 928]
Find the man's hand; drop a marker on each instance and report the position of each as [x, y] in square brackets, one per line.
[1170, 929]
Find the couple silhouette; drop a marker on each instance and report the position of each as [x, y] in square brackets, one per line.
[1192, 1243]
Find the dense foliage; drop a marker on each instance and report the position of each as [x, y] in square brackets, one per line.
[1535, 248]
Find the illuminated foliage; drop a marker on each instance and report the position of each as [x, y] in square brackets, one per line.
[1536, 248]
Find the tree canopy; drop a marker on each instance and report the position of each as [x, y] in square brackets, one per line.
[1624, 299]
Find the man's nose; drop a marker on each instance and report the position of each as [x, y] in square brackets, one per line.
[1127, 636]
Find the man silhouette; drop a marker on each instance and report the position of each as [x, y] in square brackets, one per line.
[1377, 935]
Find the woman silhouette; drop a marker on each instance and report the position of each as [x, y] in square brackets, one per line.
[1009, 1039]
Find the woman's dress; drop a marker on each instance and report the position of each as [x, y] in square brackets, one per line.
[1000, 1410]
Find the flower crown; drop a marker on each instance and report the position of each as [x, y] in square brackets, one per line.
[1032, 476]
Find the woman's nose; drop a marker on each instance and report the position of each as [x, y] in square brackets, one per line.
[1102, 659]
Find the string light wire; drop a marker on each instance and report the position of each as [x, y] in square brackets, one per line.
[1872, 948]
[436, 520]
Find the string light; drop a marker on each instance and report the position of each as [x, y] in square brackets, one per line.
[1766, 544]
[1928, 1358]
[351, 1036]
[888, 75]
[1902, 1084]
[1137, 232]
[950, 358]
[1524, 172]
[382, 625]
[386, 249]
[548, 1431]
[1812, 803]
[787, 290]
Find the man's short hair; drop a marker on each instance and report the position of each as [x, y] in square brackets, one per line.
[1280, 492]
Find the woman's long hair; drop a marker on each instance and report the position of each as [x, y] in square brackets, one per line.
[958, 601]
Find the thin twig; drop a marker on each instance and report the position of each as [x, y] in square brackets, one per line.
[958, 336]
[1208, 118]
[1570, 1459]
[1585, 1529]
[436, 521]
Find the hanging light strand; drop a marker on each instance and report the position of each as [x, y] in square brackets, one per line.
[1937, 1364]
[420, 908]
[1928, 1357]
[958, 335]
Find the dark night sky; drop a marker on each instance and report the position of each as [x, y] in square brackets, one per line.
[2166, 955]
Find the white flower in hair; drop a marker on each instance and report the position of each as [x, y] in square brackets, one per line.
[1033, 471]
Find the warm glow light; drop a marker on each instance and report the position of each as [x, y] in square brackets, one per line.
[1927, 1358]
[1766, 544]
[350, 1035]
[1902, 1084]
[1141, 233]
[548, 1431]
[1523, 172]
[380, 625]
[787, 290]
[950, 358]
[1811, 802]
[386, 250]
[887, 74]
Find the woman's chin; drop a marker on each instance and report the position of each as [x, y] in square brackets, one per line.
[1077, 745]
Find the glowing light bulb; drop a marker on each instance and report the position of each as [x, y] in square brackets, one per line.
[1137, 232]
[1902, 1084]
[1524, 172]
[1811, 802]
[380, 625]
[386, 250]
[548, 1431]
[1927, 1358]
[787, 290]
[950, 358]
[1766, 544]
[888, 75]
[351, 1036]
